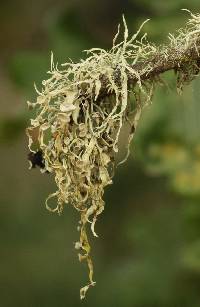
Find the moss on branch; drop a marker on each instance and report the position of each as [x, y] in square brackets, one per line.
[83, 106]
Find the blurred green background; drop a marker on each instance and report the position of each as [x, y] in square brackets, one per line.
[148, 250]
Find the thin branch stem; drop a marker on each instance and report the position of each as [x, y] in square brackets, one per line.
[172, 59]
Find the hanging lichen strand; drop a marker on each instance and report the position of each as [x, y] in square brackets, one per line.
[82, 107]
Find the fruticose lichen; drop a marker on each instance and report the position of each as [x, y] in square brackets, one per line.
[83, 106]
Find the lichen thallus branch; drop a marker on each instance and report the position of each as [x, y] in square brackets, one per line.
[83, 106]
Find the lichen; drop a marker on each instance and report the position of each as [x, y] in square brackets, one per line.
[81, 110]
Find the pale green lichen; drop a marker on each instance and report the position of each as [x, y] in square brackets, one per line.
[78, 125]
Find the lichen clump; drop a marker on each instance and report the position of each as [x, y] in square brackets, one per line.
[81, 110]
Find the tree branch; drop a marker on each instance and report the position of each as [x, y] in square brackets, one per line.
[177, 58]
